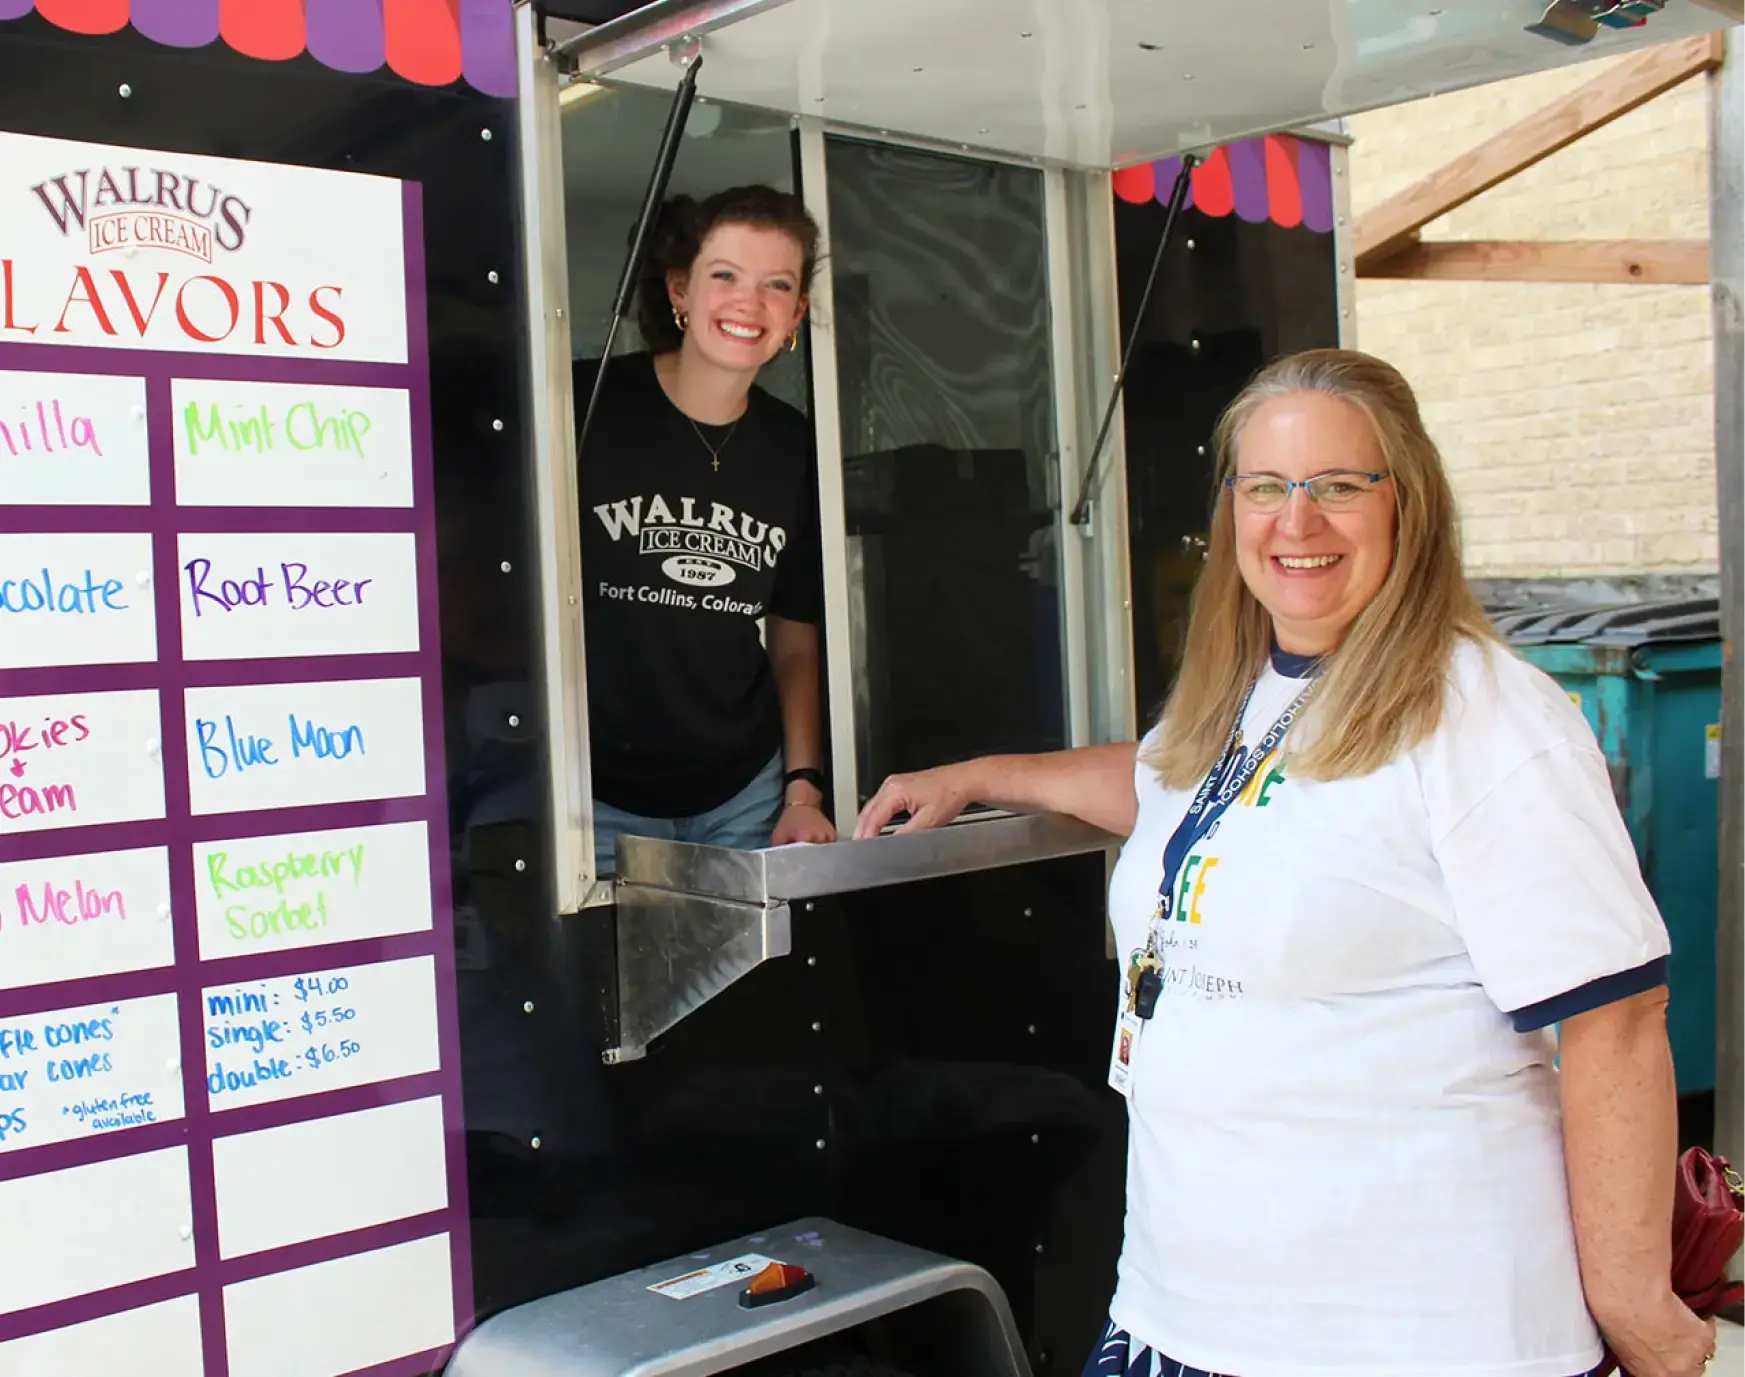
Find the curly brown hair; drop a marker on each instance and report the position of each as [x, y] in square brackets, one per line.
[677, 239]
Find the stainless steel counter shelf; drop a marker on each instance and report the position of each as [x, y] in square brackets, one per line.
[693, 919]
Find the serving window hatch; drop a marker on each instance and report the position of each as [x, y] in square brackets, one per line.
[1101, 83]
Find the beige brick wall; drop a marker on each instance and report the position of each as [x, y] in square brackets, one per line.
[1576, 420]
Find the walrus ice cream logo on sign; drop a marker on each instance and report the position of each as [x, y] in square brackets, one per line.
[695, 550]
[128, 248]
[145, 208]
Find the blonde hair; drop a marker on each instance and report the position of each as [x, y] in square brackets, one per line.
[1382, 691]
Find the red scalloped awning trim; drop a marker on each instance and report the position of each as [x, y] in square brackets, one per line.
[1276, 177]
[430, 42]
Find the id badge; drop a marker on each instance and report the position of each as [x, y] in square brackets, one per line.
[1127, 1029]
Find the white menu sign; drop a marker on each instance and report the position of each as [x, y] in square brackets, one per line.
[114, 248]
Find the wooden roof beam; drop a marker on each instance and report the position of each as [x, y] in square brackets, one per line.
[1394, 224]
[1662, 261]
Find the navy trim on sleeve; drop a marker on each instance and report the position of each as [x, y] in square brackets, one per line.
[1596, 994]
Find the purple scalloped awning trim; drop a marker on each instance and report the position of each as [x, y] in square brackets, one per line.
[1166, 171]
[1315, 176]
[487, 42]
[346, 35]
[177, 23]
[1248, 179]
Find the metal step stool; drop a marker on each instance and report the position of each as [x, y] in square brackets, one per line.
[683, 1318]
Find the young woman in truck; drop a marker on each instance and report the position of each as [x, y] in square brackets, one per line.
[1372, 859]
[699, 521]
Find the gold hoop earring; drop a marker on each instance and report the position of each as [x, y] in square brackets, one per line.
[793, 339]
[681, 320]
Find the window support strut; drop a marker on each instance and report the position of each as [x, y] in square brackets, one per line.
[657, 185]
[1081, 512]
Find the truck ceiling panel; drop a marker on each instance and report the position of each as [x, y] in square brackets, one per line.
[1093, 83]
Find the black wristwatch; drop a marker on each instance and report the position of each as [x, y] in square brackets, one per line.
[813, 777]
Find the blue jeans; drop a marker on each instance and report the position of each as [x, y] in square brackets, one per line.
[744, 822]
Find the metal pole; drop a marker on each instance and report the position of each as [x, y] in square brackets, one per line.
[657, 184]
[648, 28]
[1344, 244]
[1081, 512]
[1727, 279]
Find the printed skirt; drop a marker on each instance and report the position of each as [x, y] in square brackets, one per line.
[1121, 1355]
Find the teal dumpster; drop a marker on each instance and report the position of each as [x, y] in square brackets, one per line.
[1648, 678]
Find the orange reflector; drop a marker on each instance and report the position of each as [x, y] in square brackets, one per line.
[779, 1281]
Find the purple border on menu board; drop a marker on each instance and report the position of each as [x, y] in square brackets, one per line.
[179, 831]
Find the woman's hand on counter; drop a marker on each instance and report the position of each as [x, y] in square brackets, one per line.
[1092, 783]
[931, 798]
[802, 822]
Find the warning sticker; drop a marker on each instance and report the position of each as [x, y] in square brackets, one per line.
[713, 1278]
[1712, 751]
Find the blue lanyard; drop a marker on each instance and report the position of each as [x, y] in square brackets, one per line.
[1216, 793]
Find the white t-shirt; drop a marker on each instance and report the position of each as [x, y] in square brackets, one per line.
[1342, 1157]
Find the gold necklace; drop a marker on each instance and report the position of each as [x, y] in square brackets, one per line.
[715, 450]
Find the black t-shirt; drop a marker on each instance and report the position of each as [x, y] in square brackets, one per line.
[679, 560]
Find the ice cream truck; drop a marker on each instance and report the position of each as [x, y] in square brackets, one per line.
[380, 1072]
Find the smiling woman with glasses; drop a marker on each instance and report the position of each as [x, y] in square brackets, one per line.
[1391, 1009]
[1336, 488]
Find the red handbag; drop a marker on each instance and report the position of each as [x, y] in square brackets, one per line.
[1708, 1225]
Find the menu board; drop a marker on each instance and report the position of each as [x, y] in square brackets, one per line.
[230, 1117]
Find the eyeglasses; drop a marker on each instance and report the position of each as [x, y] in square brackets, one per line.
[1267, 492]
